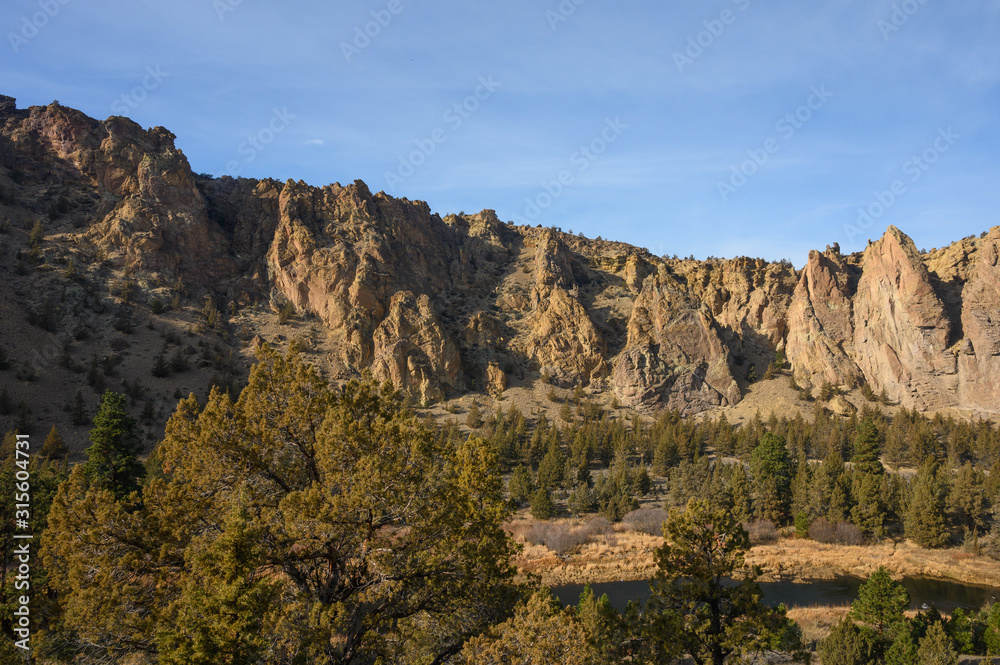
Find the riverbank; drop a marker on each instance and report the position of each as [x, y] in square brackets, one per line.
[622, 555]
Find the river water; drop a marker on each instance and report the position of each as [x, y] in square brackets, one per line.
[942, 594]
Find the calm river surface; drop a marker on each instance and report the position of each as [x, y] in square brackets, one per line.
[942, 594]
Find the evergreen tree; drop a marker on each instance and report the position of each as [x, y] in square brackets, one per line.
[520, 487]
[742, 501]
[542, 507]
[541, 632]
[113, 455]
[695, 608]
[552, 468]
[160, 368]
[868, 513]
[935, 648]
[53, 446]
[376, 540]
[848, 644]
[866, 449]
[881, 604]
[924, 522]
[771, 468]
[582, 500]
[801, 486]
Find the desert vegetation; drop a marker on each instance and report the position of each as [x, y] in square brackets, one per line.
[293, 517]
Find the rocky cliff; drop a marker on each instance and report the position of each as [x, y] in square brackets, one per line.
[442, 306]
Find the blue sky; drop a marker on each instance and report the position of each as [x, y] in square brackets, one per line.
[725, 128]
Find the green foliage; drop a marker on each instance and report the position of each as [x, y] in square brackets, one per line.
[552, 468]
[742, 500]
[935, 648]
[541, 632]
[848, 644]
[802, 524]
[606, 630]
[542, 507]
[695, 609]
[474, 418]
[113, 456]
[881, 603]
[520, 488]
[325, 524]
[771, 468]
[53, 446]
[925, 519]
[582, 500]
[866, 449]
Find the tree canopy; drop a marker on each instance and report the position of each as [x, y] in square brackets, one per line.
[705, 602]
[300, 523]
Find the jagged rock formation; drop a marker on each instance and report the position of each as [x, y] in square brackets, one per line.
[442, 306]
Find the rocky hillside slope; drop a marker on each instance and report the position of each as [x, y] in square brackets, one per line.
[108, 232]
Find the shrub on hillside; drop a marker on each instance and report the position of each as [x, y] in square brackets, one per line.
[762, 532]
[823, 530]
[646, 520]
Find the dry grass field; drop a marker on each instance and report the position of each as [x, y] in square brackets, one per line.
[576, 551]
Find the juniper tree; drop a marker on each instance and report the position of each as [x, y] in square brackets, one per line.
[359, 535]
[695, 608]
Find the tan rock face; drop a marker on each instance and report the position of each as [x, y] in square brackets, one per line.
[496, 379]
[820, 342]
[413, 351]
[674, 356]
[979, 354]
[438, 305]
[901, 332]
[562, 339]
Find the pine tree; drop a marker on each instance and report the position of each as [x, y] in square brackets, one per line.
[742, 501]
[552, 468]
[848, 644]
[924, 523]
[53, 446]
[868, 512]
[378, 536]
[113, 456]
[935, 648]
[881, 604]
[520, 487]
[474, 418]
[542, 507]
[160, 368]
[866, 449]
[801, 486]
[771, 468]
[694, 608]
